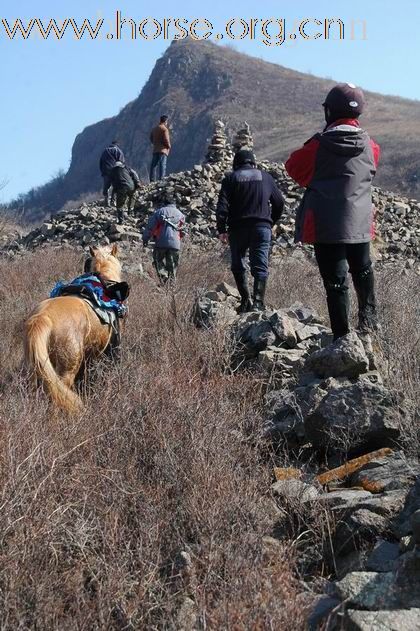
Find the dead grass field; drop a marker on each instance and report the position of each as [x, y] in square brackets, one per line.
[95, 511]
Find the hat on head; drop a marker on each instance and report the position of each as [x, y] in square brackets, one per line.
[345, 100]
[242, 157]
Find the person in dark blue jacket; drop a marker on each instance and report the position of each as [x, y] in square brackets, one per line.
[110, 156]
[249, 204]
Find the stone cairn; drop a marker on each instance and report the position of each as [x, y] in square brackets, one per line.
[219, 149]
[243, 139]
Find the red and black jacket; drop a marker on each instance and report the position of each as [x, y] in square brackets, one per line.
[337, 168]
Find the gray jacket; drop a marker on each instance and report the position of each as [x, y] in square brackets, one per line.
[337, 168]
[165, 226]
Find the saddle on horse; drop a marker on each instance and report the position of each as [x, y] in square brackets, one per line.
[105, 298]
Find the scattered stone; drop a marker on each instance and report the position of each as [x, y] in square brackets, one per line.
[295, 490]
[399, 620]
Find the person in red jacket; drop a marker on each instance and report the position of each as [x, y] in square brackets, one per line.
[336, 214]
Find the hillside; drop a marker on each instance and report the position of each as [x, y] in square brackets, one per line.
[199, 82]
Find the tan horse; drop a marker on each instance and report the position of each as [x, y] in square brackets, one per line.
[63, 332]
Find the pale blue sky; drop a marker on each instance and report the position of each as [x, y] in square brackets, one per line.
[52, 89]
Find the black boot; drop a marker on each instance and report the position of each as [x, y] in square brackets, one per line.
[243, 289]
[120, 214]
[260, 285]
[364, 284]
[338, 307]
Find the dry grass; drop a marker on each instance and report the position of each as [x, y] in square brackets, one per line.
[96, 510]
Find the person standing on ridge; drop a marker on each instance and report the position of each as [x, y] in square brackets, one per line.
[125, 182]
[109, 157]
[166, 227]
[160, 139]
[249, 204]
[336, 214]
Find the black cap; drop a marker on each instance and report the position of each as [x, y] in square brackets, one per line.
[345, 100]
[242, 157]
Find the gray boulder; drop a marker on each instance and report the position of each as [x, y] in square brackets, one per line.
[344, 358]
[354, 416]
[383, 557]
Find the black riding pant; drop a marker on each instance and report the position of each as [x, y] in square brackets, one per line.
[335, 260]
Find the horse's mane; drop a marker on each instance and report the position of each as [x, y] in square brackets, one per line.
[106, 264]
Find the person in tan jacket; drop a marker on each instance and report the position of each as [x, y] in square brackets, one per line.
[160, 139]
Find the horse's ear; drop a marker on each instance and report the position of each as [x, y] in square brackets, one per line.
[114, 250]
[93, 251]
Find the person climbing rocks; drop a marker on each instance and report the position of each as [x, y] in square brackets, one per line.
[125, 182]
[166, 226]
[337, 167]
[109, 157]
[248, 206]
[160, 139]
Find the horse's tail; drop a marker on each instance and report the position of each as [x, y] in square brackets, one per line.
[37, 359]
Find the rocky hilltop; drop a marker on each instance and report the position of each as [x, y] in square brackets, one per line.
[197, 83]
[196, 191]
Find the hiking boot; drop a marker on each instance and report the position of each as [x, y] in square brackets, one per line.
[120, 215]
[260, 285]
[243, 289]
[106, 201]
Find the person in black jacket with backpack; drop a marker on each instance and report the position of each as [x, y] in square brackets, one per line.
[125, 182]
[109, 157]
[249, 204]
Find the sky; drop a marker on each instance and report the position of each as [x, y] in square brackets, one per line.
[52, 89]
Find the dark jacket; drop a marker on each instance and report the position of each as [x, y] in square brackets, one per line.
[122, 177]
[165, 226]
[159, 137]
[337, 168]
[248, 194]
[109, 157]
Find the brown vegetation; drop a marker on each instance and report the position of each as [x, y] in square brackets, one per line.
[158, 492]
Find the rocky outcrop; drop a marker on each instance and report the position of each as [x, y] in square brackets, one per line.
[323, 397]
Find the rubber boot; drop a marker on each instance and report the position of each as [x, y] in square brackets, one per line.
[120, 214]
[106, 200]
[364, 284]
[260, 285]
[242, 285]
[338, 307]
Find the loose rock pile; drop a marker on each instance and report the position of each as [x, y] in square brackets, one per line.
[196, 193]
[329, 398]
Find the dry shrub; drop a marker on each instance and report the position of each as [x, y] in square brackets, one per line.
[96, 510]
